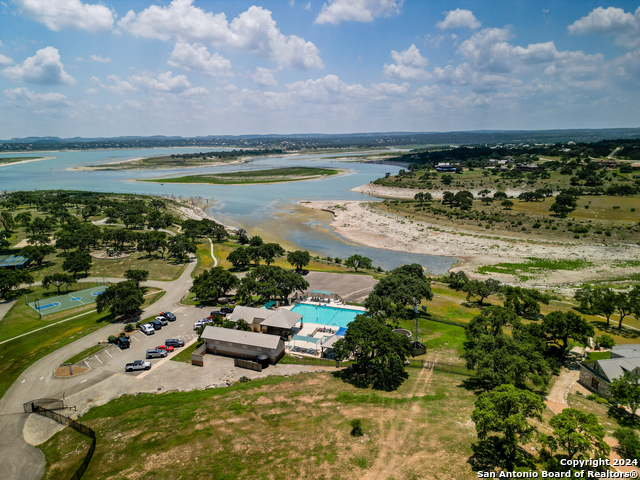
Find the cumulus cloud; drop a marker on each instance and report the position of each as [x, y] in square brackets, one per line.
[196, 58]
[409, 65]
[67, 14]
[119, 86]
[165, 83]
[624, 26]
[459, 18]
[44, 68]
[25, 96]
[98, 58]
[253, 31]
[4, 60]
[337, 11]
[264, 76]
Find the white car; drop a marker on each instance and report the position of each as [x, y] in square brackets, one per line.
[147, 329]
[162, 319]
[200, 323]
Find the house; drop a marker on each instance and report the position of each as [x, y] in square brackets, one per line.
[598, 375]
[273, 322]
[241, 344]
[445, 167]
[526, 167]
[635, 166]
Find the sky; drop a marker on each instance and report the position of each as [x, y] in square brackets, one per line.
[195, 67]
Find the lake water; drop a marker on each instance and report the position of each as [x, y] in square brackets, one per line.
[268, 210]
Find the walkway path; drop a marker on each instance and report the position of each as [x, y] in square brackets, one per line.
[215, 260]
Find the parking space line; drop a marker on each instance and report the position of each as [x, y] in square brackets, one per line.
[87, 364]
[109, 353]
[135, 338]
[98, 358]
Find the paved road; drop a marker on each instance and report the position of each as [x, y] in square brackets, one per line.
[21, 461]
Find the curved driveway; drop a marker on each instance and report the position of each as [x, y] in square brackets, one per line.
[21, 461]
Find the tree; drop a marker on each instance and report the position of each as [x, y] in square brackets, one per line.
[500, 196]
[12, 279]
[213, 284]
[299, 259]
[457, 280]
[57, 280]
[243, 239]
[90, 210]
[562, 326]
[378, 352]
[477, 288]
[626, 390]
[36, 254]
[565, 204]
[499, 358]
[524, 301]
[358, 261]
[239, 258]
[403, 286]
[578, 433]
[77, 262]
[446, 179]
[136, 276]
[623, 306]
[123, 298]
[268, 281]
[506, 410]
[629, 442]
[507, 204]
[180, 246]
[4, 239]
[269, 251]
[255, 241]
[604, 302]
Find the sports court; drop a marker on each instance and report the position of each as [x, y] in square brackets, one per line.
[67, 301]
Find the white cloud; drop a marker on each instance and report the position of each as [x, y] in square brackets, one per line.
[307, 6]
[264, 76]
[4, 60]
[391, 89]
[24, 95]
[252, 31]
[165, 83]
[62, 14]
[459, 18]
[119, 86]
[624, 26]
[409, 65]
[98, 58]
[337, 11]
[44, 68]
[196, 58]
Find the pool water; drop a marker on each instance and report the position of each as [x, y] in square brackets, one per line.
[339, 317]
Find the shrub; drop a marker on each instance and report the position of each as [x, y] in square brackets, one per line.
[606, 341]
[587, 207]
[329, 259]
[129, 327]
[537, 225]
[356, 428]
[244, 379]
[337, 260]
[616, 208]
[111, 339]
[629, 442]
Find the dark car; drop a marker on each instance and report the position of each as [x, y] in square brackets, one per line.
[174, 342]
[157, 324]
[226, 310]
[169, 316]
[155, 353]
[302, 272]
[216, 312]
[123, 342]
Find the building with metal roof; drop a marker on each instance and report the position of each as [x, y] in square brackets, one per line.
[16, 262]
[598, 375]
[241, 344]
[275, 322]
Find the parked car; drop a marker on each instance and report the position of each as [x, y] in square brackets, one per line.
[137, 365]
[123, 342]
[304, 271]
[217, 312]
[147, 329]
[174, 342]
[163, 320]
[166, 348]
[169, 316]
[226, 310]
[155, 353]
[200, 323]
[156, 324]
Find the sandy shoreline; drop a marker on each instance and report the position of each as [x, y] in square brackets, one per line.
[405, 193]
[361, 223]
[26, 161]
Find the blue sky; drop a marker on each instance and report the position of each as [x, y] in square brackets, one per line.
[195, 67]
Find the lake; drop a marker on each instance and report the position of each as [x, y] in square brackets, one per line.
[268, 210]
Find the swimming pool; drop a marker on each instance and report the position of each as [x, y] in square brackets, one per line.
[339, 317]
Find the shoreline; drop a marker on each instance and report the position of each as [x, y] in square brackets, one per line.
[408, 193]
[26, 161]
[104, 167]
[358, 221]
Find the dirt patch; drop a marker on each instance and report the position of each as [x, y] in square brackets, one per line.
[63, 371]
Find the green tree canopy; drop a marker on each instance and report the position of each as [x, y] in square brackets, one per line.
[480, 289]
[136, 276]
[358, 261]
[240, 258]
[36, 254]
[213, 284]
[577, 433]
[626, 390]
[299, 259]
[57, 280]
[402, 286]
[269, 251]
[268, 281]
[378, 352]
[121, 299]
[506, 410]
[562, 326]
[11, 280]
[76, 262]
[180, 246]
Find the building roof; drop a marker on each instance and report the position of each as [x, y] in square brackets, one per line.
[331, 340]
[249, 313]
[12, 261]
[282, 318]
[241, 337]
[615, 367]
[628, 346]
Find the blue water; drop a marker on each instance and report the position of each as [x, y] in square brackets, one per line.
[335, 317]
[253, 207]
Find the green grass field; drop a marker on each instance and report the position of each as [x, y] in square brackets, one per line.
[275, 175]
[5, 160]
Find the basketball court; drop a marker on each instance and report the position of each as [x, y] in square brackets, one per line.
[67, 301]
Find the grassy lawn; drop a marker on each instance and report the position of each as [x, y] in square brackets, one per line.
[16, 159]
[159, 269]
[593, 356]
[295, 427]
[185, 354]
[20, 353]
[272, 175]
[65, 454]
[534, 266]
